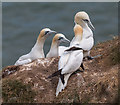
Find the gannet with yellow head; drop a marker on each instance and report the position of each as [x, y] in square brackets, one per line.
[37, 50]
[87, 41]
[58, 38]
[70, 60]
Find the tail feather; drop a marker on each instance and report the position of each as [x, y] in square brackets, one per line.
[59, 87]
[66, 80]
[55, 73]
[62, 86]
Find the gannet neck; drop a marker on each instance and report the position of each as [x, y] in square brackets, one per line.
[78, 30]
[40, 42]
[87, 32]
[78, 38]
[38, 47]
[54, 48]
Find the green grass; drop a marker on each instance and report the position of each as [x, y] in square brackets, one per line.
[14, 91]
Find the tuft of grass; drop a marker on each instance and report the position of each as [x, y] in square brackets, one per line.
[115, 55]
[14, 91]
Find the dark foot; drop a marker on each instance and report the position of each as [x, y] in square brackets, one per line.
[89, 57]
[77, 71]
[82, 66]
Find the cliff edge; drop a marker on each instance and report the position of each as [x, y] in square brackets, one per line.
[98, 83]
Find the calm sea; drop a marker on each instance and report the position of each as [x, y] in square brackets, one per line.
[22, 23]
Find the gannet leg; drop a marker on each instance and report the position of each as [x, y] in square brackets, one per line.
[89, 58]
[82, 66]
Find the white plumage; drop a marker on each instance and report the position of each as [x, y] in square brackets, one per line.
[87, 42]
[37, 50]
[54, 51]
[70, 60]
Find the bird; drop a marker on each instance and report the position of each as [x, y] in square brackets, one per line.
[70, 60]
[37, 50]
[58, 38]
[87, 42]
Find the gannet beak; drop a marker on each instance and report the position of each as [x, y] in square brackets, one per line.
[65, 40]
[92, 27]
[52, 32]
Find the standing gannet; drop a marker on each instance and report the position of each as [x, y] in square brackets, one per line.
[70, 60]
[37, 50]
[87, 42]
[58, 38]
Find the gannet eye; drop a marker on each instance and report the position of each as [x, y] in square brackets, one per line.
[46, 32]
[86, 20]
[60, 38]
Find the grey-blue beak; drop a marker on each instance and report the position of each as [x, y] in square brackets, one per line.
[91, 25]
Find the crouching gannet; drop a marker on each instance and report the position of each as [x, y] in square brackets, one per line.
[37, 50]
[58, 38]
[70, 60]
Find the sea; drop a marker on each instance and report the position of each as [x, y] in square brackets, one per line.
[23, 21]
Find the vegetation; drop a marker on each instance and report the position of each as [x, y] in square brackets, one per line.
[115, 55]
[15, 91]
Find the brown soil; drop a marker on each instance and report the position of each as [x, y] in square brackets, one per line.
[97, 84]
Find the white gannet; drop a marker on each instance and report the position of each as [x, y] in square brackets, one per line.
[87, 42]
[70, 60]
[58, 38]
[37, 50]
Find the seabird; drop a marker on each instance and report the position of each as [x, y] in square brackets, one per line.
[58, 38]
[87, 41]
[37, 50]
[70, 60]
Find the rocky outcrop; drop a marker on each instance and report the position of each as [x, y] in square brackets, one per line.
[97, 84]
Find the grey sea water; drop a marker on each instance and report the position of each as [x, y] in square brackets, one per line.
[22, 22]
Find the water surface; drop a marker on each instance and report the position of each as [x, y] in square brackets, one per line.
[22, 23]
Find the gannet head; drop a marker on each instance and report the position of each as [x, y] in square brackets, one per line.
[45, 32]
[60, 38]
[82, 18]
[78, 30]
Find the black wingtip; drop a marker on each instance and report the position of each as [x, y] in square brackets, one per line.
[49, 77]
[55, 74]
[62, 78]
[73, 49]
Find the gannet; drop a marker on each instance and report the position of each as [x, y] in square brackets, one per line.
[58, 38]
[87, 42]
[37, 50]
[70, 60]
